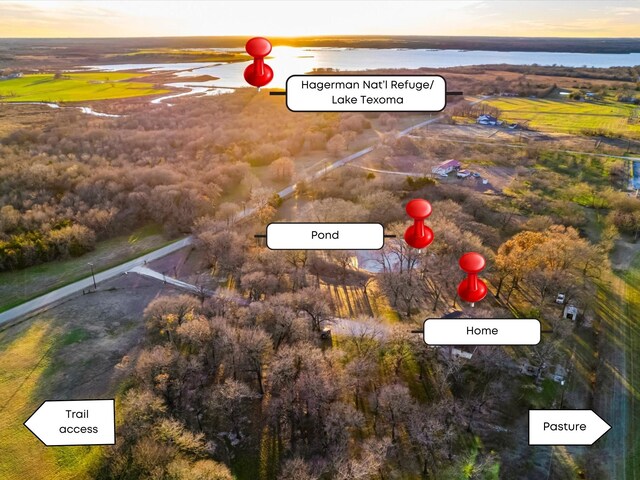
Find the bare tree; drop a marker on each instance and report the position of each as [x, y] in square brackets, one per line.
[314, 302]
[253, 349]
[228, 405]
[394, 405]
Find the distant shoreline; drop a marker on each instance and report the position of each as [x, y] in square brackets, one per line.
[502, 44]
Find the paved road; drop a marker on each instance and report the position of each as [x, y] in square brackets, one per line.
[147, 272]
[43, 301]
[40, 303]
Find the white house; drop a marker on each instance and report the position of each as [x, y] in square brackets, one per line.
[446, 167]
[560, 374]
[487, 120]
[461, 353]
[11, 76]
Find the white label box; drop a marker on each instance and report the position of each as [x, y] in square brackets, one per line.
[325, 236]
[366, 93]
[74, 422]
[482, 331]
[565, 427]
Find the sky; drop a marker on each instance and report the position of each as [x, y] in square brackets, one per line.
[136, 18]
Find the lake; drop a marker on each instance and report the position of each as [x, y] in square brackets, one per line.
[288, 61]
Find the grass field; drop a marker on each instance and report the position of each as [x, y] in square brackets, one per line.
[21, 285]
[619, 395]
[25, 360]
[75, 87]
[569, 116]
[631, 279]
[68, 352]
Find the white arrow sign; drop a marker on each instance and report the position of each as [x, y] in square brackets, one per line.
[565, 427]
[74, 422]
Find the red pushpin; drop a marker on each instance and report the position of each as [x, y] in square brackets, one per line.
[472, 289]
[418, 235]
[258, 73]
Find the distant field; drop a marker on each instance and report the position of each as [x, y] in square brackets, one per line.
[21, 285]
[75, 87]
[190, 55]
[569, 116]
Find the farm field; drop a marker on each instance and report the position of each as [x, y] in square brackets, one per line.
[75, 87]
[569, 116]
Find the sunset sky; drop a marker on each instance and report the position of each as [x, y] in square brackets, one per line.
[308, 18]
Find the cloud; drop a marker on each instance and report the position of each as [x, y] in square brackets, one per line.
[624, 11]
[468, 17]
[55, 18]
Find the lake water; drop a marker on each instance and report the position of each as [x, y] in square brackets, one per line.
[288, 61]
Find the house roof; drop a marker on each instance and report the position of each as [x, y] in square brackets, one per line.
[449, 163]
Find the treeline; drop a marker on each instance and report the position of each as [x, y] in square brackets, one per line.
[76, 179]
[615, 74]
[35, 246]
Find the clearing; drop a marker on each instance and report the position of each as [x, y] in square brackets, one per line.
[75, 87]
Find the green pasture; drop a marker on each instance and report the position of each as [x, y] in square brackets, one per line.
[75, 87]
[569, 116]
[25, 358]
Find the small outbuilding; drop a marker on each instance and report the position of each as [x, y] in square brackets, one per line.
[559, 375]
[446, 167]
[570, 312]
